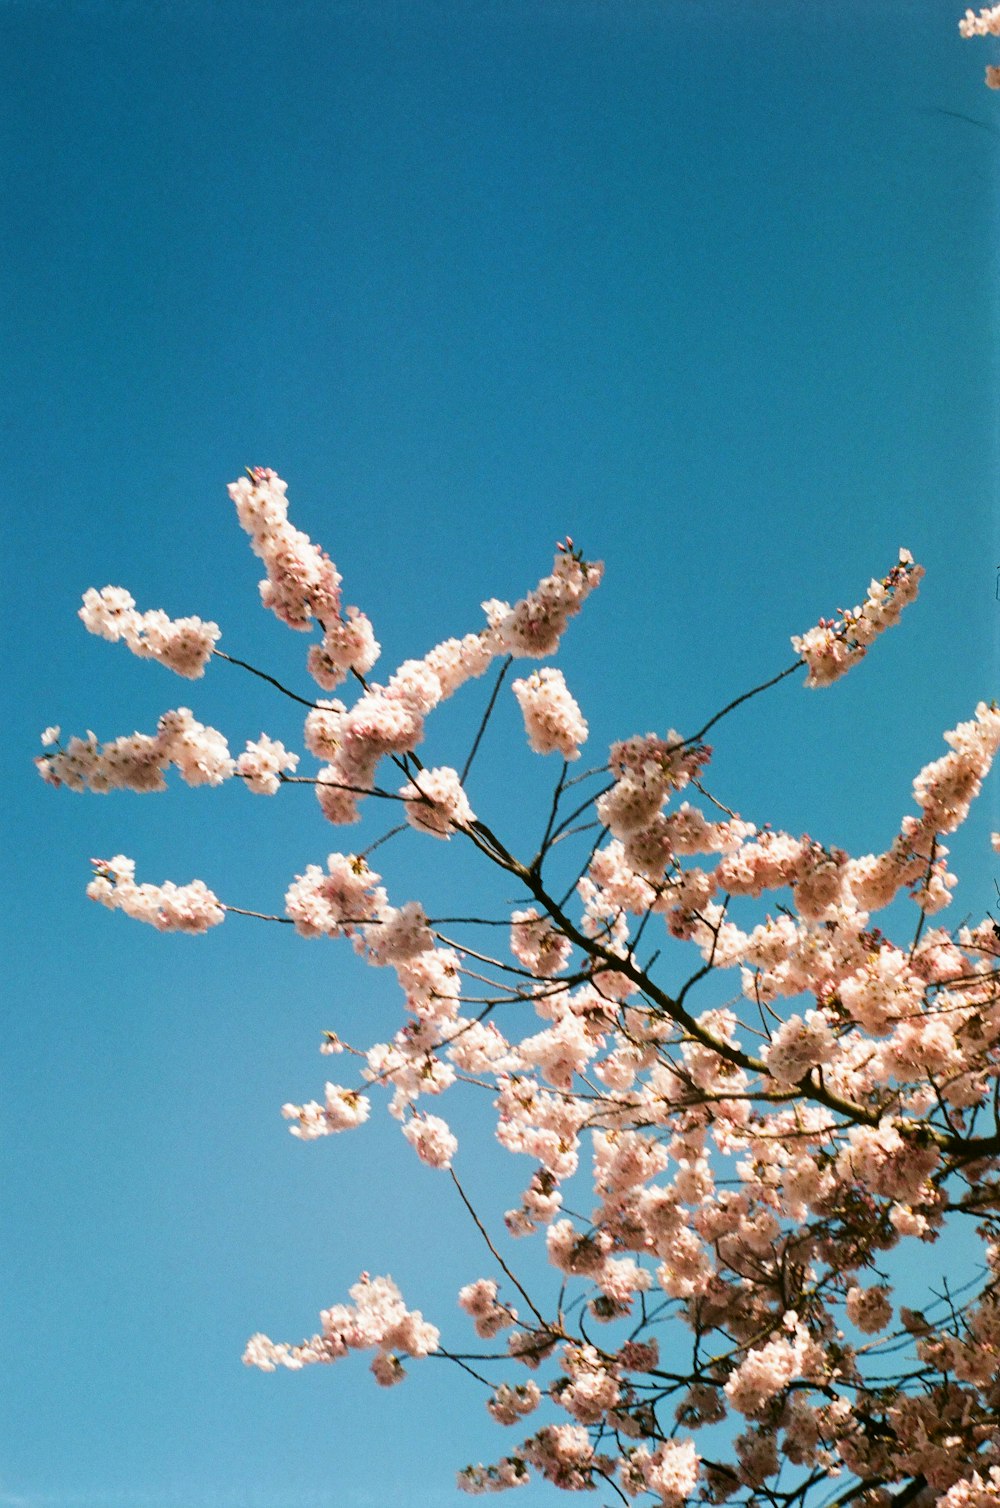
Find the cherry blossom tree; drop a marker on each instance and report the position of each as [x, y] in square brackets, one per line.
[723, 1323]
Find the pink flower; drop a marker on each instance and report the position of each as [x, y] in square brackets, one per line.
[671, 1472]
[170, 908]
[552, 719]
[985, 24]
[343, 1111]
[138, 762]
[335, 903]
[479, 1300]
[508, 1472]
[348, 644]
[534, 626]
[766, 1370]
[509, 1405]
[869, 1308]
[430, 1136]
[536, 944]
[378, 1319]
[799, 1045]
[183, 645]
[302, 584]
[563, 1454]
[833, 646]
[263, 763]
[436, 803]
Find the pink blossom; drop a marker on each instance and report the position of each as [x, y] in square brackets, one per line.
[263, 763]
[946, 788]
[378, 1319]
[589, 1390]
[509, 1405]
[432, 1140]
[985, 24]
[833, 646]
[169, 908]
[323, 729]
[183, 645]
[563, 1454]
[508, 1472]
[479, 1300]
[552, 719]
[534, 626]
[670, 1471]
[887, 1163]
[138, 762]
[335, 903]
[302, 582]
[536, 944]
[799, 1045]
[436, 803]
[561, 1051]
[343, 1110]
[432, 988]
[387, 1369]
[869, 1308]
[766, 1370]
[974, 1491]
[348, 644]
[398, 934]
[456, 661]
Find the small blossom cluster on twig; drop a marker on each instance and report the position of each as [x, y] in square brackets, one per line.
[834, 645]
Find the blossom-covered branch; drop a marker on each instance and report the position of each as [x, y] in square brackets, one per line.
[757, 1130]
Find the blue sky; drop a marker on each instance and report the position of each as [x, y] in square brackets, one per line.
[708, 286]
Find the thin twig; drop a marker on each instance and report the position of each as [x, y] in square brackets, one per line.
[450, 1356]
[923, 913]
[697, 737]
[221, 655]
[485, 719]
[261, 916]
[482, 1231]
[560, 783]
[340, 785]
[392, 833]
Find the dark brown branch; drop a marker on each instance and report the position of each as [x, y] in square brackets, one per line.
[483, 1232]
[738, 701]
[221, 655]
[485, 718]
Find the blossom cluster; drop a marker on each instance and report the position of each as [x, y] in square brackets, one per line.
[184, 645]
[985, 24]
[436, 803]
[139, 761]
[534, 626]
[169, 908]
[302, 582]
[834, 645]
[552, 718]
[377, 1320]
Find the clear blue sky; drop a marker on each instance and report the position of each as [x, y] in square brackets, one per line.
[709, 286]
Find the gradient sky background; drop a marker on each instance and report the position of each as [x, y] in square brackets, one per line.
[710, 287]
